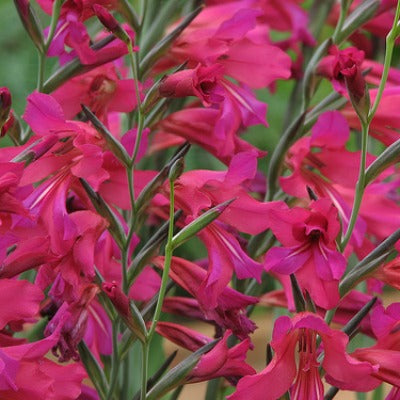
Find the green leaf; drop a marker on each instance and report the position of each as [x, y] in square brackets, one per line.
[199, 223]
[177, 375]
[390, 156]
[93, 369]
[139, 326]
[31, 23]
[351, 327]
[149, 249]
[363, 13]
[151, 188]
[74, 68]
[114, 145]
[162, 46]
[115, 228]
[369, 264]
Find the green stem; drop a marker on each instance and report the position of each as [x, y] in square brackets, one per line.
[344, 8]
[134, 61]
[129, 174]
[115, 362]
[360, 186]
[167, 263]
[390, 42]
[41, 67]
[42, 55]
[124, 265]
[53, 23]
[145, 358]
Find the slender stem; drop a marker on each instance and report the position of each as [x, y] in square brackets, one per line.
[115, 362]
[134, 61]
[42, 55]
[53, 23]
[129, 174]
[145, 358]
[360, 186]
[344, 8]
[167, 262]
[41, 68]
[124, 265]
[390, 41]
[126, 378]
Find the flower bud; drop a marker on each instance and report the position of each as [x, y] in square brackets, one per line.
[126, 309]
[5, 107]
[110, 23]
[30, 22]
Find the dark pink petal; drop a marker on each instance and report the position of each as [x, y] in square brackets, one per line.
[44, 115]
[330, 130]
[286, 260]
[21, 307]
[324, 293]
[146, 285]
[330, 264]
[256, 65]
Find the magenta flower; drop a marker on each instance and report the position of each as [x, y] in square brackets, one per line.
[308, 237]
[301, 379]
[228, 310]
[219, 361]
[101, 90]
[343, 67]
[25, 373]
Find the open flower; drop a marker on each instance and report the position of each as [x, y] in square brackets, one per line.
[302, 379]
[308, 237]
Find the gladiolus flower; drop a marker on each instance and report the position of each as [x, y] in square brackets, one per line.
[309, 249]
[302, 379]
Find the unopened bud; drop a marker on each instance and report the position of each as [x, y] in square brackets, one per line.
[31, 23]
[5, 107]
[199, 223]
[177, 169]
[110, 23]
[126, 309]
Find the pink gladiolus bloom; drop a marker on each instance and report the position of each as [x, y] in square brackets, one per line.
[220, 361]
[22, 307]
[308, 237]
[329, 178]
[10, 204]
[206, 128]
[73, 319]
[229, 310]
[230, 34]
[200, 189]
[352, 303]
[343, 67]
[100, 89]
[302, 379]
[384, 355]
[27, 374]
[84, 8]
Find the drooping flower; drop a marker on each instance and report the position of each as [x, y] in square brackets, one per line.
[220, 361]
[229, 310]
